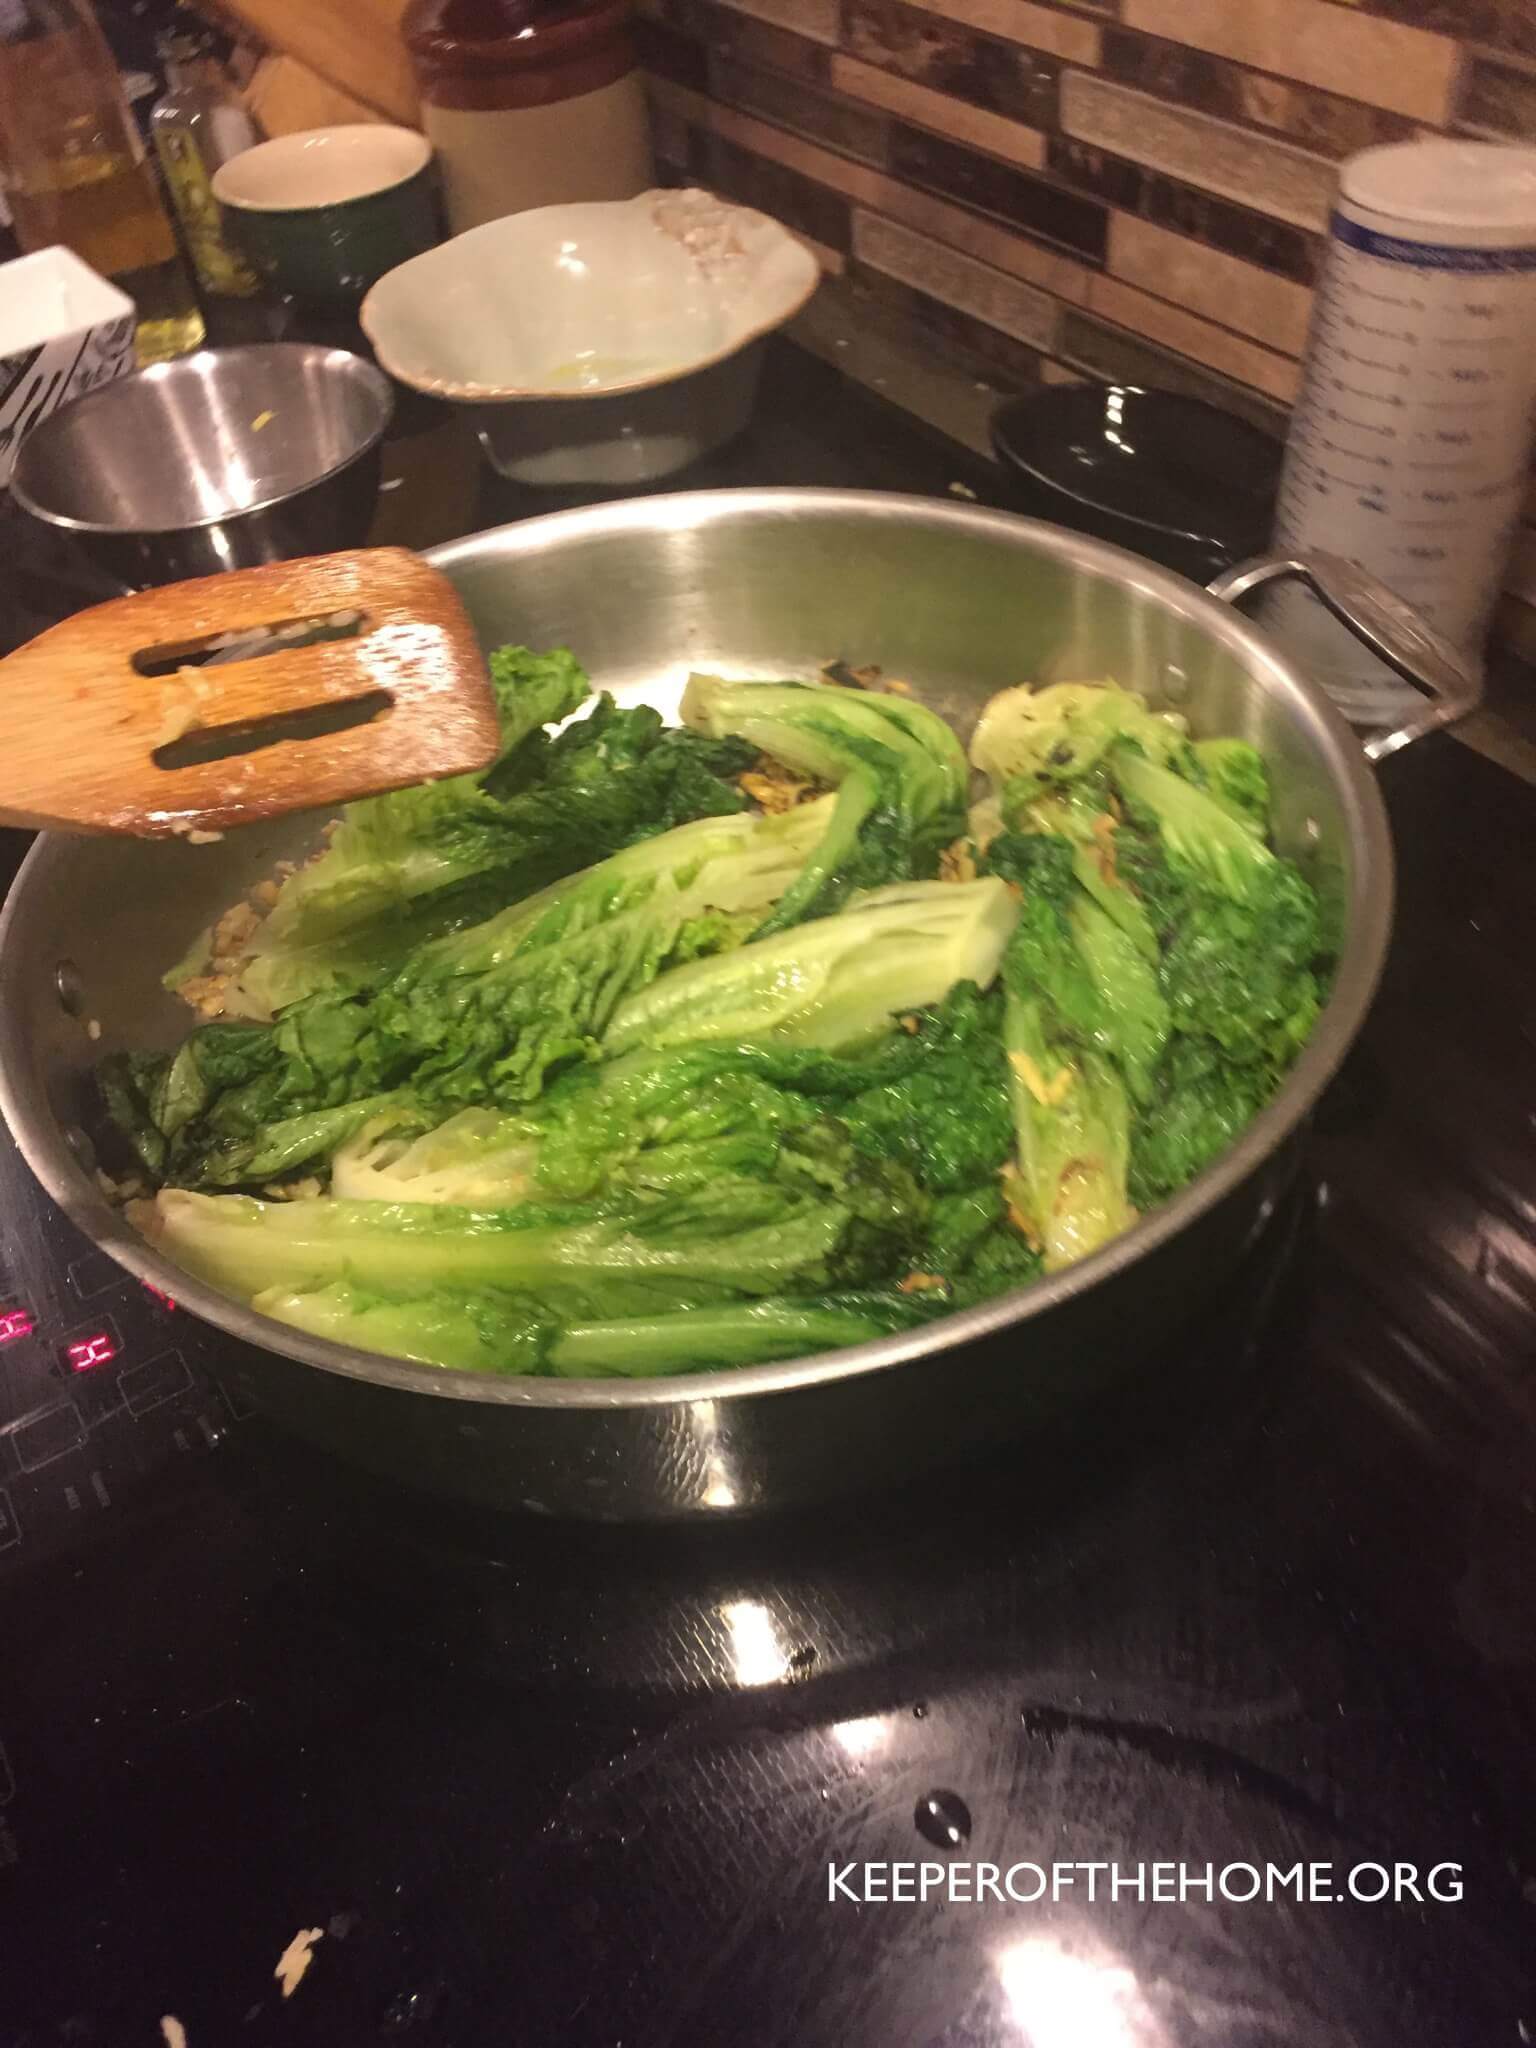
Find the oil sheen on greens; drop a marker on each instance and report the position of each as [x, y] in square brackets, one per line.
[589, 1065]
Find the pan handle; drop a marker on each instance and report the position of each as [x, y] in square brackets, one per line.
[1391, 629]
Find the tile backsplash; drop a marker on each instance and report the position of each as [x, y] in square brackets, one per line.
[1009, 192]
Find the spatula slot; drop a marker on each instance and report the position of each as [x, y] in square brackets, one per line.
[250, 643]
[251, 735]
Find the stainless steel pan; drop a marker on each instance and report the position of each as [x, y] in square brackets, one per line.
[957, 601]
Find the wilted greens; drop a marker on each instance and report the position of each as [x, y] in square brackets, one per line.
[659, 1048]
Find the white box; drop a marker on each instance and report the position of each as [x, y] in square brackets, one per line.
[63, 330]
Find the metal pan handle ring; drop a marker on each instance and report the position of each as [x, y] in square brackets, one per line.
[1391, 629]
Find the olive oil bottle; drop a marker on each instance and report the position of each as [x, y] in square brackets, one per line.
[198, 124]
[75, 169]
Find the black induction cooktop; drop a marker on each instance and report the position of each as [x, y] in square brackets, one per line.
[483, 1780]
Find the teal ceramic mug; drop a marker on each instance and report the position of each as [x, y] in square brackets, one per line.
[322, 214]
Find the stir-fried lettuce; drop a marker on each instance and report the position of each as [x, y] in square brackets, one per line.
[401, 868]
[899, 772]
[498, 1331]
[478, 1016]
[583, 1067]
[837, 982]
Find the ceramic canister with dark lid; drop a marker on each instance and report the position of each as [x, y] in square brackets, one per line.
[529, 102]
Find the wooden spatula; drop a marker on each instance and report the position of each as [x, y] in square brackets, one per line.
[109, 722]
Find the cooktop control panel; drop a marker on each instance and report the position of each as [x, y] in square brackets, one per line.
[102, 1379]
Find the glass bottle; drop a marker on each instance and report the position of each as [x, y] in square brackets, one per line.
[198, 124]
[76, 171]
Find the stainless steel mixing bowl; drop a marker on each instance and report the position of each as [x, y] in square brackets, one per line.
[957, 601]
[220, 460]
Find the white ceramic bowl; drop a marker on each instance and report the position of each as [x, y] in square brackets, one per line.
[601, 343]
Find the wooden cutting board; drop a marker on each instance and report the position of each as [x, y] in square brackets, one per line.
[352, 47]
